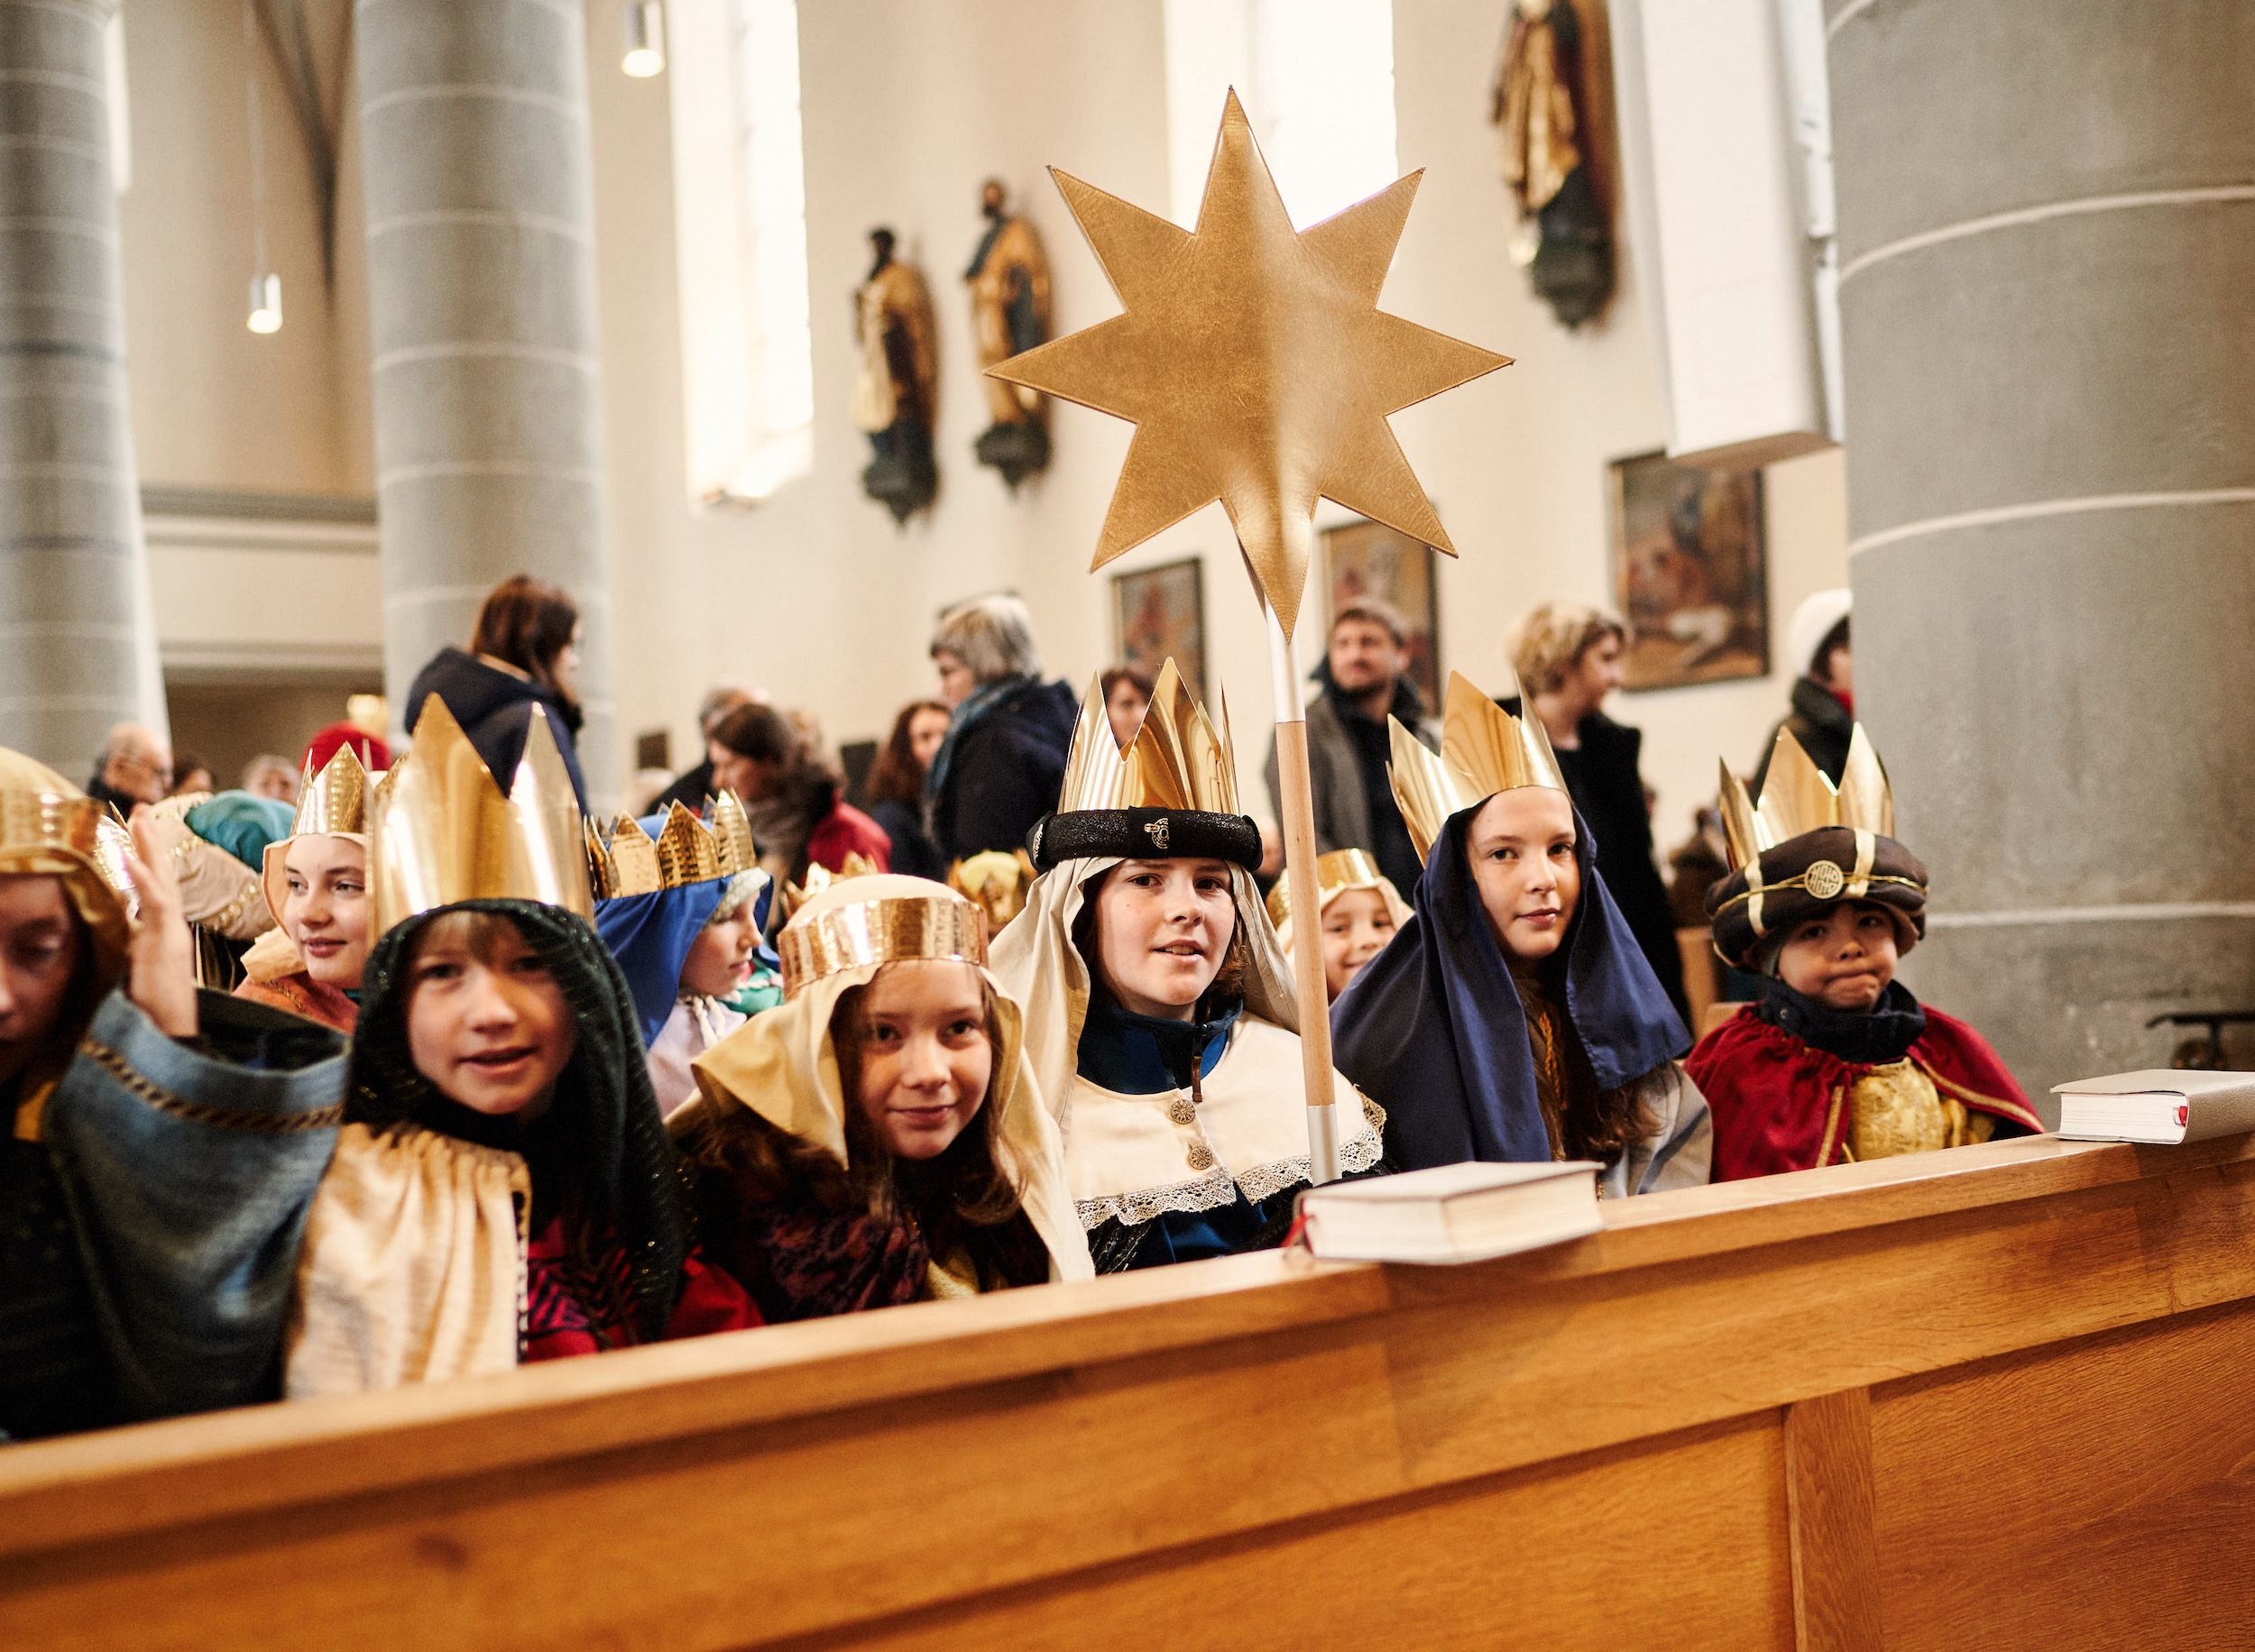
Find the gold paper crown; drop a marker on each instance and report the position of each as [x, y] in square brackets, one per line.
[441, 830]
[1796, 797]
[998, 881]
[41, 813]
[336, 799]
[1176, 761]
[686, 851]
[819, 877]
[1342, 869]
[900, 918]
[1484, 750]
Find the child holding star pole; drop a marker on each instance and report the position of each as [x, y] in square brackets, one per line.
[1258, 371]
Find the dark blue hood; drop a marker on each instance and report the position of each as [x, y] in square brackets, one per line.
[495, 710]
[1432, 1029]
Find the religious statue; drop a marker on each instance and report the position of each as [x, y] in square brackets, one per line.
[1542, 114]
[1008, 279]
[896, 386]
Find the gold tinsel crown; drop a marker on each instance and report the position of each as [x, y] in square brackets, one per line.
[1177, 760]
[1797, 797]
[687, 851]
[336, 799]
[1484, 750]
[441, 829]
[877, 918]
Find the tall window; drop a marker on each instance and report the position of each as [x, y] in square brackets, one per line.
[1317, 80]
[739, 202]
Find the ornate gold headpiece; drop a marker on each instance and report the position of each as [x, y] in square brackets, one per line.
[336, 799]
[819, 877]
[685, 851]
[996, 881]
[441, 830]
[1484, 750]
[42, 815]
[1177, 760]
[1342, 869]
[1796, 797]
[881, 919]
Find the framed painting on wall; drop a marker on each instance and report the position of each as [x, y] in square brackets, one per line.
[1160, 613]
[1689, 573]
[1369, 559]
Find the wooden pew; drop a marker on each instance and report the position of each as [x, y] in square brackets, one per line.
[1994, 1397]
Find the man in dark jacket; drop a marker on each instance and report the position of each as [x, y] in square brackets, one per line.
[1003, 762]
[1363, 680]
[1823, 714]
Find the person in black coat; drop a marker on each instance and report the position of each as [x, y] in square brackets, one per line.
[1003, 762]
[525, 653]
[1568, 659]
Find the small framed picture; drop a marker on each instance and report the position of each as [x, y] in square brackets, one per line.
[1689, 573]
[1369, 559]
[1160, 614]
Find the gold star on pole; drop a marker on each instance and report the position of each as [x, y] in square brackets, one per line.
[1255, 363]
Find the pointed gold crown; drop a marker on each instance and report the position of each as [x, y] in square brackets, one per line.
[996, 881]
[819, 877]
[687, 851]
[336, 799]
[1796, 797]
[1484, 750]
[1177, 759]
[441, 830]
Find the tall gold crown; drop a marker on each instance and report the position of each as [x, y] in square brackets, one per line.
[1177, 760]
[441, 830]
[687, 851]
[1796, 797]
[1484, 750]
[336, 799]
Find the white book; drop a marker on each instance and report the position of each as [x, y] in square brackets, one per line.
[2160, 1106]
[1452, 1212]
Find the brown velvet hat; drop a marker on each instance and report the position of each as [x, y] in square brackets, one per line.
[1808, 876]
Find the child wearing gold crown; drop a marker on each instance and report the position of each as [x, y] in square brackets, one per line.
[682, 904]
[316, 884]
[878, 1139]
[1838, 1061]
[1514, 1018]
[1159, 1009]
[482, 1181]
[1357, 908]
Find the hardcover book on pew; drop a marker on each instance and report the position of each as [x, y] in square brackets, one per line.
[1452, 1212]
[2161, 1106]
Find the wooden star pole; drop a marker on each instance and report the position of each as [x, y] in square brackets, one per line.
[1259, 371]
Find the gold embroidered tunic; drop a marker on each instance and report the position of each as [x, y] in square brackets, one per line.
[1896, 1109]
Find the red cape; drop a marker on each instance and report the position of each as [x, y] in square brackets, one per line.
[1781, 1104]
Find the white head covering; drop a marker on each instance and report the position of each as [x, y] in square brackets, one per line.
[1038, 965]
[783, 1065]
[1819, 611]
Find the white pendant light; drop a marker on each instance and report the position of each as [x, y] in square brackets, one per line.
[645, 22]
[265, 303]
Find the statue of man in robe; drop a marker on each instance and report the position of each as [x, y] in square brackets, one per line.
[1008, 279]
[896, 386]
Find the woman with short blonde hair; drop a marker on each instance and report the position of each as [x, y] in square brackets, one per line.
[1000, 767]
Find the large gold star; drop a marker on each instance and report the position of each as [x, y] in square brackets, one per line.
[1255, 363]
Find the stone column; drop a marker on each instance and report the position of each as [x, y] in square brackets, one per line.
[2047, 251]
[482, 295]
[77, 643]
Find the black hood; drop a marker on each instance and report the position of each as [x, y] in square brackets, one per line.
[494, 708]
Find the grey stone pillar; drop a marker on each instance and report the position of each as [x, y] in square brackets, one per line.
[78, 644]
[2047, 251]
[482, 297]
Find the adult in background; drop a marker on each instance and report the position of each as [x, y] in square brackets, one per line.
[694, 786]
[191, 776]
[134, 766]
[794, 799]
[1127, 690]
[524, 653]
[896, 788]
[269, 776]
[1823, 714]
[1364, 680]
[1001, 767]
[1568, 657]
